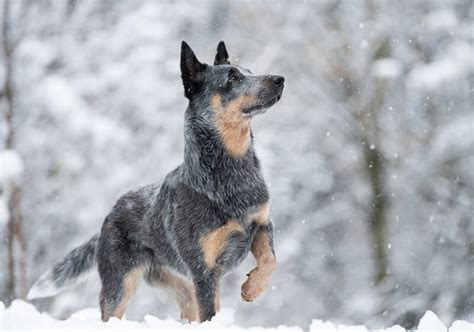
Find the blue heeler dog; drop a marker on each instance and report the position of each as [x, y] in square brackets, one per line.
[185, 233]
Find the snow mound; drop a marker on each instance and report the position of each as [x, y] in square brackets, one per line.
[430, 322]
[23, 316]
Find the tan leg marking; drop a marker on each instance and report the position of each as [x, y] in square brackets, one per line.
[213, 243]
[259, 277]
[217, 301]
[129, 284]
[261, 215]
[233, 127]
[184, 293]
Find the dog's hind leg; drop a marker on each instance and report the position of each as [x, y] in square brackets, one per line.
[117, 289]
[217, 301]
[181, 289]
[121, 266]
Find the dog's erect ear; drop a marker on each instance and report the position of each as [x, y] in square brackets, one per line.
[222, 58]
[191, 71]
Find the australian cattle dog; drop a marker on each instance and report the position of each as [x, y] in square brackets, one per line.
[187, 231]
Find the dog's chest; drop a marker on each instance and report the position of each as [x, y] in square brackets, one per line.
[228, 244]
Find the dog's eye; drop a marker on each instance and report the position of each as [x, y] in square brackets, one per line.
[235, 76]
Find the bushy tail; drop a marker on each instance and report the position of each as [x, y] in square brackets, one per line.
[70, 271]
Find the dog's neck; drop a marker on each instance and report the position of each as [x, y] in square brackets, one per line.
[210, 167]
[220, 145]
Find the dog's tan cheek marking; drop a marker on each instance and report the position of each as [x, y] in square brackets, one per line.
[261, 215]
[129, 285]
[259, 278]
[214, 242]
[233, 127]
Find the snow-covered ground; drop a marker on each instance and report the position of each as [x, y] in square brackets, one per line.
[22, 316]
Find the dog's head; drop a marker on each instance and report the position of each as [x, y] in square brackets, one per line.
[231, 92]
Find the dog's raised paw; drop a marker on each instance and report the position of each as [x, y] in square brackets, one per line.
[254, 285]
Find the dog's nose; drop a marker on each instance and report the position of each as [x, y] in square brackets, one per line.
[278, 80]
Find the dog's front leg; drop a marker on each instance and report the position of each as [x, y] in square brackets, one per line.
[262, 249]
[206, 285]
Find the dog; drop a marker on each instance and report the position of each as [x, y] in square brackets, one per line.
[185, 233]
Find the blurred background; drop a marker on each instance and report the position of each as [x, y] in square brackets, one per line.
[369, 154]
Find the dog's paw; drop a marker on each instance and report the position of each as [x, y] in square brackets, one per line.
[207, 315]
[254, 285]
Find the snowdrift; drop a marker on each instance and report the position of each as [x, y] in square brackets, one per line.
[23, 316]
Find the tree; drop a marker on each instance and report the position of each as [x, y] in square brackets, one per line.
[15, 240]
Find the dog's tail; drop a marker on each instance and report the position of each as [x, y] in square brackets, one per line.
[70, 271]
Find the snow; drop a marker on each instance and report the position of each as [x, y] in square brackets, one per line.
[11, 166]
[444, 19]
[4, 214]
[22, 315]
[461, 326]
[387, 68]
[456, 64]
[100, 110]
[66, 104]
[430, 322]
[455, 140]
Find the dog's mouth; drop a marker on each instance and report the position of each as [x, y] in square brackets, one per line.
[262, 107]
